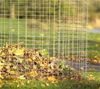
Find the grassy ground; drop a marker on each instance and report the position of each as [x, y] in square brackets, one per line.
[96, 75]
[94, 44]
[68, 84]
[34, 38]
[13, 31]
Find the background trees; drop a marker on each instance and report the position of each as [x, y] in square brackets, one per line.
[34, 8]
[94, 9]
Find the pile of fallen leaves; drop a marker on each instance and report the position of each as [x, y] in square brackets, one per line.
[95, 60]
[94, 57]
[17, 62]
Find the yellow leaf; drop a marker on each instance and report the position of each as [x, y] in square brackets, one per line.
[1, 67]
[47, 84]
[19, 52]
[12, 72]
[20, 59]
[1, 83]
[8, 68]
[22, 77]
[29, 59]
[91, 77]
[2, 54]
[1, 77]
[33, 73]
[52, 79]
[11, 50]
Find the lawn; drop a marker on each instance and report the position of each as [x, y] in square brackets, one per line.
[68, 84]
[94, 43]
[65, 84]
[12, 32]
[96, 75]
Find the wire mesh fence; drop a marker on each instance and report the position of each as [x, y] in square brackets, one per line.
[58, 26]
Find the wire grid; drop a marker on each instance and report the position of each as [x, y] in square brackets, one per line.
[39, 26]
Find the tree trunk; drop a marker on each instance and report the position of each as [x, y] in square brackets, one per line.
[12, 11]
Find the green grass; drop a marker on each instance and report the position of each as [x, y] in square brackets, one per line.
[68, 84]
[94, 44]
[96, 75]
[9, 31]
[65, 84]
[12, 30]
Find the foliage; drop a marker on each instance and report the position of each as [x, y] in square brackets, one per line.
[39, 8]
[94, 58]
[94, 9]
[94, 6]
[17, 62]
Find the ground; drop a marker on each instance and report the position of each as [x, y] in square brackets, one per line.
[93, 47]
[72, 84]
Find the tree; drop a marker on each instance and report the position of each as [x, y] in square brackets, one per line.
[12, 11]
[37, 8]
[12, 7]
[94, 9]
